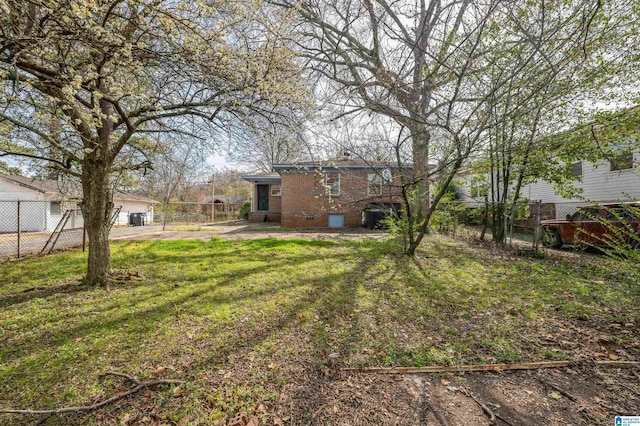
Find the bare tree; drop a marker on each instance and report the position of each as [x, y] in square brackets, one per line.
[423, 64]
[549, 97]
[262, 143]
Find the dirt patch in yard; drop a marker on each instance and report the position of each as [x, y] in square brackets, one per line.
[235, 232]
[516, 398]
[566, 396]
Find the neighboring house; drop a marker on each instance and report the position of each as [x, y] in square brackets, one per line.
[470, 187]
[600, 182]
[321, 194]
[131, 204]
[43, 202]
[223, 203]
[603, 181]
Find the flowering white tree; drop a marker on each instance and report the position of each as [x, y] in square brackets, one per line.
[107, 70]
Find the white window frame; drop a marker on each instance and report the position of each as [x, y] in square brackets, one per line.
[330, 188]
[613, 164]
[277, 193]
[475, 190]
[378, 180]
[574, 164]
[374, 181]
[58, 205]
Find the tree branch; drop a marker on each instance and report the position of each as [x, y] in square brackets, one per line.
[138, 386]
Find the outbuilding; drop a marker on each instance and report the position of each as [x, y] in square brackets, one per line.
[40, 205]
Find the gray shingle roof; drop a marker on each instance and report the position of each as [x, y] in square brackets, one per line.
[69, 189]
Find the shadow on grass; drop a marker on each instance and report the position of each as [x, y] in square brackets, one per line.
[44, 292]
[272, 293]
[237, 297]
[207, 291]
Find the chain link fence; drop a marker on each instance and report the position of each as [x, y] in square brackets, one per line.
[505, 223]
[533, 224]
[33, 227]
[40, 227]
[178, 214]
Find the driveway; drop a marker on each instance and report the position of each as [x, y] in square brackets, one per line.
[34, 242]
[239, 231]
[118, 232]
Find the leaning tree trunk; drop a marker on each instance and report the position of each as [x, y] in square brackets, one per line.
[97, 210]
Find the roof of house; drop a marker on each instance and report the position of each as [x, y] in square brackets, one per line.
[56, 188]
[339, 164]
[263, 178]
[129, 196]
[40, 185]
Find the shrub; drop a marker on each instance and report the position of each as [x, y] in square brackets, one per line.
[244, 210]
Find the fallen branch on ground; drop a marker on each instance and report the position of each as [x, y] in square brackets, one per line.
[557, 388]
[487, 410]
[485, 407]
[493, 367]
[138, 386]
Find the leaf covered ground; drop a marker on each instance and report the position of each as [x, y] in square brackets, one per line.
[263, 326]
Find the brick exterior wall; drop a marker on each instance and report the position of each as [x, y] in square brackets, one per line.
[273, 214]
[275, 202]
[264, 217]
[306, 204]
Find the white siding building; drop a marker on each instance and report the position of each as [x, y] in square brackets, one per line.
[131, 203]
[40, 204]
[601, 182]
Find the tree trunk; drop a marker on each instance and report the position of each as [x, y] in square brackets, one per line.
[421, 169]
[98, 200]
[420, 203]
[97, 210]
[485, 217]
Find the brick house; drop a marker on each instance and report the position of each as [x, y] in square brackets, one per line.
[330, 194]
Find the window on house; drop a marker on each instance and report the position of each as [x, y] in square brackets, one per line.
[275, 190]
[55, 207]
[332, 183]
[576, 168]
[476, 190]
[622, 162]
[377, 181]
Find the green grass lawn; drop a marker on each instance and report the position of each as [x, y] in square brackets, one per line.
[242, 320]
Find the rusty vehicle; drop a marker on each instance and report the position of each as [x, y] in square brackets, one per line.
[605, 225]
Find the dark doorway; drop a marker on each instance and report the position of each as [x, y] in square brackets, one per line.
[263, 198]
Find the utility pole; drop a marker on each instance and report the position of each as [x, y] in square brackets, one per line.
[213, 198]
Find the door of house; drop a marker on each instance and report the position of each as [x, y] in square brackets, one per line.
[263, 198]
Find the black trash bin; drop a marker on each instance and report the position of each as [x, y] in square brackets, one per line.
[136, 219]
[373, 218]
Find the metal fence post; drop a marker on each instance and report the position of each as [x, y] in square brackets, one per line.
[19, 231]
[536, 238]
[505, 231]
